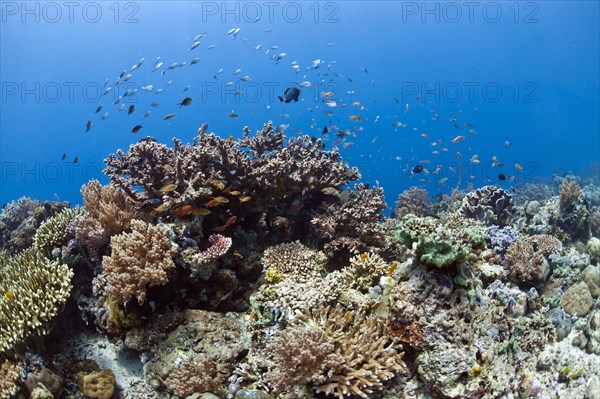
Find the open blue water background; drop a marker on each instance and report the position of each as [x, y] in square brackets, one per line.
[523, 72]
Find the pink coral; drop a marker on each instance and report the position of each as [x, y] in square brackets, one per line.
[219, 245]
[139, 260]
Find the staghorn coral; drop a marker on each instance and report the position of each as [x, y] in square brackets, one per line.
[219, 245]
[295, 260]
[526, 265]
[355, 223]
[9, 379]
[369, 356]
[547, 244]
[189, 378]
[489, 204]
[302, 355]
[33, 291]
[139, 260]
[414, 200]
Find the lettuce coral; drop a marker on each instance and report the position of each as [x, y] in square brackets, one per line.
[139, 260]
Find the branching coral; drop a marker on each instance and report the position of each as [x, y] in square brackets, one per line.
[370, 357]
[547, 244]
[188, 378]
[9, 379]
[107, 211]
[33, 291]
[414, 200]
[355, 223]
[490, 204]
[294, 260]
[139, 260]
[526, 265]
[364, 271]
[54, 232]
[574, 210]
[302, 355]
[219, 245]
[261, 165]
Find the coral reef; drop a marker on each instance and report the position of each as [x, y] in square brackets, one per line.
[526, 265]
[34, 289]
[358, 355]
[574, 210]
[414, 200]
[139, 260]
[490, 204]
[294, 260]
[9, 379]
[354, 223]
[107, 212]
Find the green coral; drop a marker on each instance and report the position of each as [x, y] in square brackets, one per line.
[33, 290]
[54, 232]
[440, 253]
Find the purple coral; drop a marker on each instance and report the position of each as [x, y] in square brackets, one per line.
[501, 238]
[489, 204]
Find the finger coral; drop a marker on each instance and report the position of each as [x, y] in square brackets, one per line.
[33, 291]
[139, 260]
[364, 271]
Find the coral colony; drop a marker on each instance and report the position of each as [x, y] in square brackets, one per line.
[257, 268]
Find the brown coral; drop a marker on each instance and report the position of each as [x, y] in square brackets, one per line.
[414, 200]
[526, 265]
[9, 379]
[547, 244]
[139, 260]
[188, 378]
[364, 271]
[356, 223]
[302, 355]
[370, 357]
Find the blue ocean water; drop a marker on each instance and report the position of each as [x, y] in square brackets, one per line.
[518, 80]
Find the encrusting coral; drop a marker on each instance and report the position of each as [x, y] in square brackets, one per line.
[34, 289]
[355, 359]
[139, 260]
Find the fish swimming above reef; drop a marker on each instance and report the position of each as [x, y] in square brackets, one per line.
[185, 102]
[291, 93]
[89, 125]
[136, 129]
[131, 109]
[417, 169]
